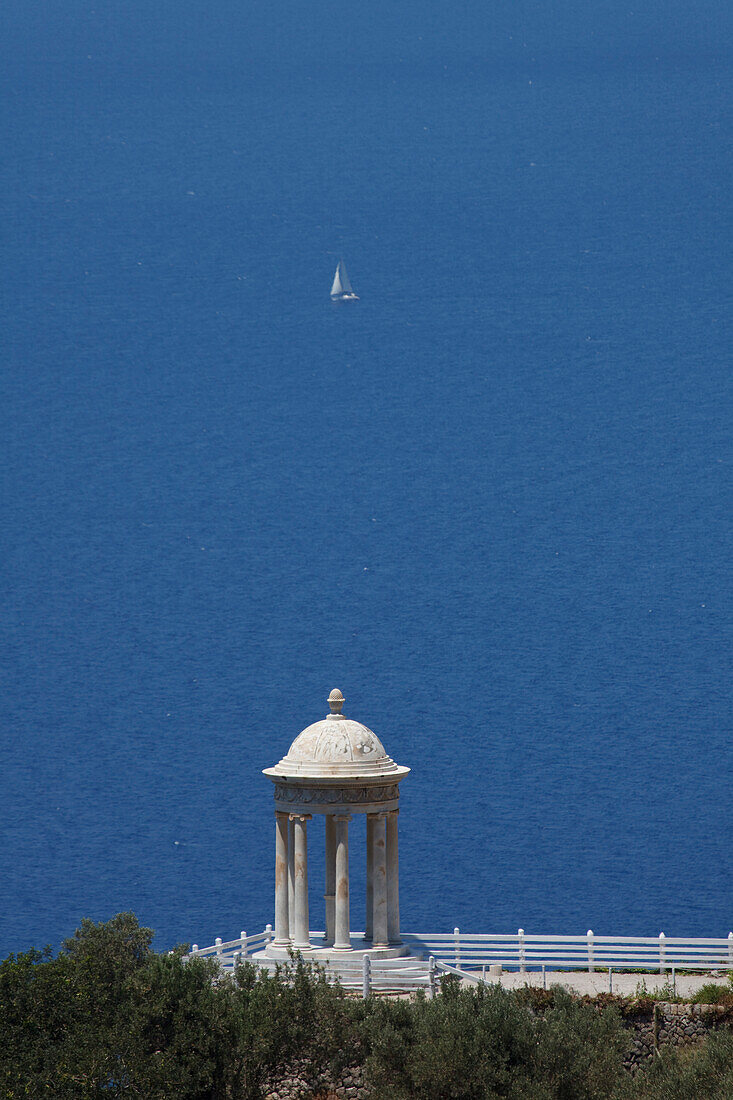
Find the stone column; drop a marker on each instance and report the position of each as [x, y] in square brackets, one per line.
[330, 895]
[282, 916]
[368, 928]
[380, 930]
[291, 876]
[393, 879]
[300, 828]
[342, 939]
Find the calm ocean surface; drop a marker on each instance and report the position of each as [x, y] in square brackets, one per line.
[491, 501]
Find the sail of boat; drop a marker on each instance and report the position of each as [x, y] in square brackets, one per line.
[342, 290]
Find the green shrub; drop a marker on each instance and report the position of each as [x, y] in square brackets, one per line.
[713, 994]
[664, 992]
[109, 1018]
[487, 1043]
[278, 1018]
[698, 1073]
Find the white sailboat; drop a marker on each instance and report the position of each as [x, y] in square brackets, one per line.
[342, 290]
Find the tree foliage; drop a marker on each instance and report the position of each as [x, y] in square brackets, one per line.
[485, 1044]
[108, 1017]
[698, 1073]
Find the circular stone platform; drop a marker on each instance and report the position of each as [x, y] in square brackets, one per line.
[321, 950]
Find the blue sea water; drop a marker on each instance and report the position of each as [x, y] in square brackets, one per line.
[491, 501]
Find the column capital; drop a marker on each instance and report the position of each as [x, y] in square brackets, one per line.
[300, 817]
[341, 817]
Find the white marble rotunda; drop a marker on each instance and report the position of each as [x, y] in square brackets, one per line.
[336, 768]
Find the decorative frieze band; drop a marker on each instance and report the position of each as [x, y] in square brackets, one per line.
[285, 793]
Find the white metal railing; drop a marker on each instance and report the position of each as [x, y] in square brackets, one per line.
[383, 975]
[468, 955]
[589, 952]
[239, 948]
[404, 974]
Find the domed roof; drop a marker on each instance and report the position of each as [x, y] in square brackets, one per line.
[337, 748]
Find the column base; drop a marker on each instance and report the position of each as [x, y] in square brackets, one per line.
[330, 902]
[320, 950]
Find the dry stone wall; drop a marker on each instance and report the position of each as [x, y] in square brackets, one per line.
[667, 1024]
[660, 1025]
[300, 1082]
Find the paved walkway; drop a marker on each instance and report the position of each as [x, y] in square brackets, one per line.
[580, 981]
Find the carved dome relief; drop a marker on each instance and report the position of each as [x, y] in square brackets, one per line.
[337, 748]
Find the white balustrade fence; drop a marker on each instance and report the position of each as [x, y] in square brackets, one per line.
[468, 955]
[523, 952]
[239, 949]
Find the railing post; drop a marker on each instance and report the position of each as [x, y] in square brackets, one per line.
[730, 950]
[243, 938]
[268, 933]
[457, 935]
[194, 951]
[217, 941]
[544, 976]
[522, 956]
[610, 979]
[431, 977]
[365, 975]
[662, 938]
[591, 967]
